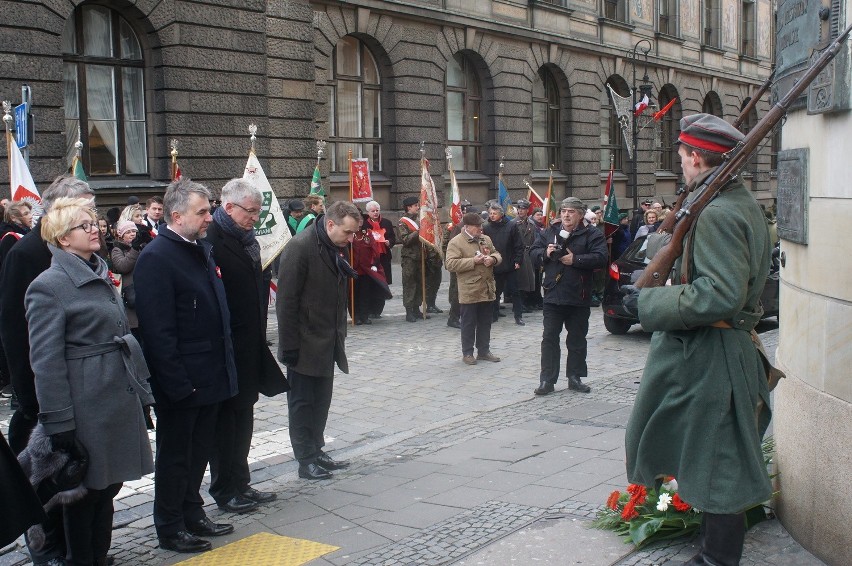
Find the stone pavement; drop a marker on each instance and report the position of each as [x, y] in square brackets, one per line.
[451, 464]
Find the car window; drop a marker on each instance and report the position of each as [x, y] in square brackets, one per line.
[636, 251]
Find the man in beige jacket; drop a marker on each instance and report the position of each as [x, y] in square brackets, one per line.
[472, 257]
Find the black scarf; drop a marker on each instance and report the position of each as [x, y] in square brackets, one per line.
[335, 253]
[245, 237]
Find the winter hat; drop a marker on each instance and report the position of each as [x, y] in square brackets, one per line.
[125, 226]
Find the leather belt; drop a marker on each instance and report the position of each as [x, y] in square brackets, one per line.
[721, 324]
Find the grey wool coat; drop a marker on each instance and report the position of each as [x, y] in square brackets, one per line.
[311, 305]
[89, 371]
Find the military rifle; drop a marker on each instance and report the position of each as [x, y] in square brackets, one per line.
[657, 272]
[753, 101]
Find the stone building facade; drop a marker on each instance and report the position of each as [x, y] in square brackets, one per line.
[517, 82]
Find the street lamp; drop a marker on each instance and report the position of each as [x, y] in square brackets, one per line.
[644, 89]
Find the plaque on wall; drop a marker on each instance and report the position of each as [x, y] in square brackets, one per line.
[792, 208]
[803, 28]
[641, 10]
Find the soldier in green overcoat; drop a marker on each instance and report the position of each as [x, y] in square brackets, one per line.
[412, 249]
[703, 403]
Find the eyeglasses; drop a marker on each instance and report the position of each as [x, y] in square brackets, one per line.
[249, 211]
[86, 226]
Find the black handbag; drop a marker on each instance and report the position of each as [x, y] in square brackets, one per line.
[128, 294]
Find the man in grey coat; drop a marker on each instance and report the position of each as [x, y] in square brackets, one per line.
[311, 311]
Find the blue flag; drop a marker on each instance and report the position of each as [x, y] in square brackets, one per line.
[503, 198]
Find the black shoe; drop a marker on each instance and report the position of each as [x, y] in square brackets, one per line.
[207, 528]
[544, 388]
[501, 314]
[258, 496]
[53, 562]
[454, 323]
[519, 321]
[433, 309]
[574, 384]
[183, 541]
[237, 504]
[313, 471]
[330, 463]
[410, 316]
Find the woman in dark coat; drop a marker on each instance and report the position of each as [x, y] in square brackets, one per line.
[89, 373]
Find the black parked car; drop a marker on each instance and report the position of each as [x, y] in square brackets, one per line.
[627, 269]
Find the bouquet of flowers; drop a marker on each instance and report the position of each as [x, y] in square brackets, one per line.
[643, 515]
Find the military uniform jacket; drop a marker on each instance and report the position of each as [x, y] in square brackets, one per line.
[526, 274]
[702, 407]
[475, 280]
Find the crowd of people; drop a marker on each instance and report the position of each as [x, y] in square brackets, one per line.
[104, 317]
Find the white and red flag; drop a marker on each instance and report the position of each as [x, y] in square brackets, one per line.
[455, 207]
[20, 180]
[641, 106]
[430, 221]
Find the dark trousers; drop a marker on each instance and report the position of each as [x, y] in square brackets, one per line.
[308, 402]
[576, 322]
[229, 469]
[476, 327]
[88, 527]
[185, 440]
[507, 282]
[453, 296]
[722, 539]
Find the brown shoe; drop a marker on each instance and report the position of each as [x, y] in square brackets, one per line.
[469, 360]
[488, 357]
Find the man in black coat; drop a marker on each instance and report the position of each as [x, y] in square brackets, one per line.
[185, 322]
[237, 253]
[507, 240]
[569, 252]
[23, 262]
[311, 312]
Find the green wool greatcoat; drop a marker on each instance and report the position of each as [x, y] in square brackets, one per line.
[703, 403]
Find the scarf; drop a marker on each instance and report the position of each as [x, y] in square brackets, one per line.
[245, 237]
[334, 252]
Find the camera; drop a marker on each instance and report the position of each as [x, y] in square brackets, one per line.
[561, 243]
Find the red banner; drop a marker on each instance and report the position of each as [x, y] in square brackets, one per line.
[430, 222]
[359, 180]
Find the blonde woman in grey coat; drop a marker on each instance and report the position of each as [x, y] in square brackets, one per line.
[89, 374]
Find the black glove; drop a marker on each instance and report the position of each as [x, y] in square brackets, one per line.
[143, 237]
[62, 441]
[630, 300]
[289, 357]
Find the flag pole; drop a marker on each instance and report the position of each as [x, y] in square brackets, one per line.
[351, 251]
[7, 121]
[608, 193]
[174, 153]
[422, 245]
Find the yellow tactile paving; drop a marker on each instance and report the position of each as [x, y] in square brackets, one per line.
[263, 549]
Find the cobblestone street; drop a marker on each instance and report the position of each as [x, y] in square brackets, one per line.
[451, 464]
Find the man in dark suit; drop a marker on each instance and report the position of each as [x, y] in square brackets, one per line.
[312, 329]
[185, 322]
[153, 217]
[237, 254]
[23, 262]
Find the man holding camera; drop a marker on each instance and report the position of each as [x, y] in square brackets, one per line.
[569, 252]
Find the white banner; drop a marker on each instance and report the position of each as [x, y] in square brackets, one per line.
[271, 230]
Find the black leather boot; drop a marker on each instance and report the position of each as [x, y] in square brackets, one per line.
[520, 321]
[724, 536]
[575, 384]
[409, 315]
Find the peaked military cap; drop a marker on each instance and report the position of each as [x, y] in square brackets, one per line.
[708, 132]
[523, 203]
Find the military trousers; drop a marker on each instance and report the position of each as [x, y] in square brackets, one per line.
[576, 321]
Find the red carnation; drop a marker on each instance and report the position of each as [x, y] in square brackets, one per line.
[113, 279]
[679, 503]
[612, 501]
[629, 511]
[638, 493]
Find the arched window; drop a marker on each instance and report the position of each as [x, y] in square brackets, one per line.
[748, 124]
[464, 106]
[612, 138]
[355, 104]
[667, 158]
[712, 104]
[103, 74]
[546, 117]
